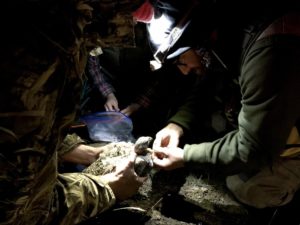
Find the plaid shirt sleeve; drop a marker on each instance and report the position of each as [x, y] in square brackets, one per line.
[98, 76]
[149, 95]
[143, 101]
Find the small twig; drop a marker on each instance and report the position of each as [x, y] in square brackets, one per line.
[131, 208]
[273, 216]
[155, 204]
[152, 207]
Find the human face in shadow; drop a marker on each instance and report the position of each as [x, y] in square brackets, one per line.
[190, 62]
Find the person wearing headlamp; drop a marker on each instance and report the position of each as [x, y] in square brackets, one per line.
[260, 48]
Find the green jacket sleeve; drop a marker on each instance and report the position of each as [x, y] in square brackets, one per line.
[193, 110]
[185, 115]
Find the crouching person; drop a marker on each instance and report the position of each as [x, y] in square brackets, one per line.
[42, 62]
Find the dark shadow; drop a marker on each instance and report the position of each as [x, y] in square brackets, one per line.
[174, 206]
[283, 215]
[117, 216]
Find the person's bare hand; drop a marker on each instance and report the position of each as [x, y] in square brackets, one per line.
[83, 154]
[168, 158]
[168, 136]
[111, 103]
[130, 109]
[124, 181]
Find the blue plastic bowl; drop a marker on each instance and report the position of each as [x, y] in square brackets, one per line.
[109, 126]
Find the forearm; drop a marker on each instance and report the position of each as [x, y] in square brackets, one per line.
[194, 108]
[183, 118]
[70, 142]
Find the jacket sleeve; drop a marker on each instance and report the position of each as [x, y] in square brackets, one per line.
[98, 76]
[69, 143]
[186, 114]
[195, 107]
[85, 196]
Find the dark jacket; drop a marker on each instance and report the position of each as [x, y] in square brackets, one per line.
[268, 73]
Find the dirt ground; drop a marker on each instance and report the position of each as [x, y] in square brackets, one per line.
[177, 197]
